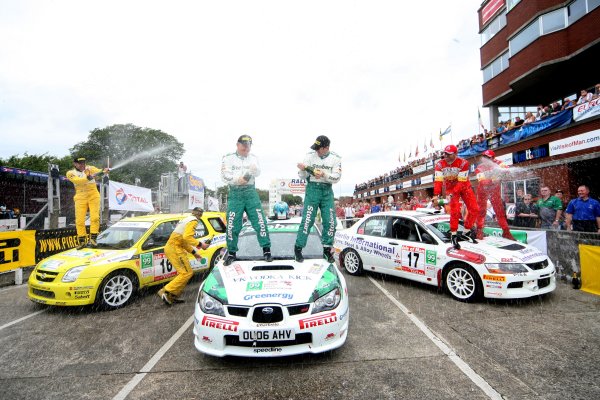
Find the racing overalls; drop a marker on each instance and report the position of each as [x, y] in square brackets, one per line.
[489, 172]
[455, 176]
[86, 197]
[180, 243]
[319, 195]
[243, 197]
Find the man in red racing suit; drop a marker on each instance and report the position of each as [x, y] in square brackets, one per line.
[454, 173]
[489, 172]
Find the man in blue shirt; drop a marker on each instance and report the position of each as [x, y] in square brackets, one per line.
[583, 212]
[375, 207]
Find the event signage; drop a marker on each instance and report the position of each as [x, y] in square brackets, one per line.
[490, 10]
[419, 168]
[406, 184]
[122, 196]
[195, 192]
[531, 154]
[426, 179]
[507, 159]
[586, 110]
[575, 143]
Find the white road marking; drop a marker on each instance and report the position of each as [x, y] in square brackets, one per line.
[16, 321]
[153, 361]
[463, 366]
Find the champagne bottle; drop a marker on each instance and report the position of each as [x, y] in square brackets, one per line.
[310, 170]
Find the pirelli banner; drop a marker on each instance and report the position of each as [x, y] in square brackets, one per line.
[26, 248]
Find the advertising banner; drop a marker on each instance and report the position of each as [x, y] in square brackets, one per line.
[575, 143]
[490, 9]
[17, 249]
[589, 259]
[122, 196]
[426, 179]
[406, 184]
[586, 110]
[506, 158]
[419, 168]
[536, 239]
[212, 204]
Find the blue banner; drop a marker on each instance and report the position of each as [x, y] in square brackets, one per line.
[556, 121]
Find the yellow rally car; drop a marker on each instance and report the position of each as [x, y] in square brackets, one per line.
[129, 256]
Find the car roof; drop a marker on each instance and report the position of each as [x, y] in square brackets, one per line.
[418, 214]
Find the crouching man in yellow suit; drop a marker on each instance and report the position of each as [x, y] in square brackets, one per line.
[180, 243]
[86, 197]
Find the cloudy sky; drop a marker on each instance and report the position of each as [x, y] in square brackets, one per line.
[378, 77]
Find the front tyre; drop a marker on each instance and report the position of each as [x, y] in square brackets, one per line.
[463, 283]
[116, 290]
[216, 258]
[352, 262]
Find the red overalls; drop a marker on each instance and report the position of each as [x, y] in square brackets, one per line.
[456, 179]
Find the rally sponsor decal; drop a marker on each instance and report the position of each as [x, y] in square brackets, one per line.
[268, 350]
[268, 285]
[232, 270]
[368, 246]
[285, 296]
[431, 257]
[435, 218]
[146, 264]
[466, 255]
[316, 321]
[219, 323]
[272, 277]
[494, 278]
[51, 265]
[163, 269]
[412, 260]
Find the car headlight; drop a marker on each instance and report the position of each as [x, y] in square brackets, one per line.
[73, 274]
[328, 301]
[210, 305]
[506, 268]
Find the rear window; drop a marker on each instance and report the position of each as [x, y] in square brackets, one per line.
[217, 224]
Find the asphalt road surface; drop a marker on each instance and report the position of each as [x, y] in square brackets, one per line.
[406, 341]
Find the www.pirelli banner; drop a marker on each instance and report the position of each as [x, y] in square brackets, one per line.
[26, 248]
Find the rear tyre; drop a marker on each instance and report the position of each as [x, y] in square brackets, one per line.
[352, 262]
[116, 290]
[216, 258]
[463, 283]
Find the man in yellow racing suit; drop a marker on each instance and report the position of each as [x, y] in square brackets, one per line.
[86, 197]
[180, 243]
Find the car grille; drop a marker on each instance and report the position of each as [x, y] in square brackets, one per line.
[266, 318]
[238, 311]
[298, 309]
[45, 276]
[538, 265]
[43, 293]
[301, 338]
[515, 285]
[542, 283]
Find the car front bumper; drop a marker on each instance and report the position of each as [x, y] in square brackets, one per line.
[78, 293]
[518, 286]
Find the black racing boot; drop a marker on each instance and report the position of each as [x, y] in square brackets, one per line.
[82, 241]
[267, 254]
[473, 234]
[298, 254]
[229, 259]
[93, 237]
[328, 255]
[454, 240]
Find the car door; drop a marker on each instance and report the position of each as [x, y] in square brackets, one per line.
[373, 243]
[415, 251]
[154, 264]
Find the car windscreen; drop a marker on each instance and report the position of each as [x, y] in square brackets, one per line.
[283, 239]
[122, 235]
[442, 229]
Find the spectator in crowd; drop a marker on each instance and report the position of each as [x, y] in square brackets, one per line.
[181, 171]
[584, 97]
[5, 213]
[596, 91]
[549, 209]
[375, 208]
[349, 214]
[555, 108]
[567, 103]
[526, 213]
[529, 118]
[339, 210]
[518, 121]
[583, 213]
[546, 112]
[540, 112]
[519, 196]
[561, 221]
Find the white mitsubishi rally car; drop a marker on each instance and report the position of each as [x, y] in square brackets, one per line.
[416, 245]
[264, 309]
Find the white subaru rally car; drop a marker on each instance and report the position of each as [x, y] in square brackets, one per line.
[264, 309]
[416, 245]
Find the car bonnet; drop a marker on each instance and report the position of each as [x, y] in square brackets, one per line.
[71, 258]
[254, 282]
[499, 250]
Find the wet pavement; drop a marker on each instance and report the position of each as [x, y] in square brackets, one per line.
[545, 347]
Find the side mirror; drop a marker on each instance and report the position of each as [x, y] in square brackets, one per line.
[427, 238]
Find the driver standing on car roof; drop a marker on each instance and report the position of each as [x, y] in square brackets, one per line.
[321, 168]
[238, 170]
[180, 243]
[453, 172]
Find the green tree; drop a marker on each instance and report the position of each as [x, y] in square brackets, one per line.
[291, 199]
[134, 152]
[38, 163]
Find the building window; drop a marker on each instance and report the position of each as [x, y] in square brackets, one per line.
[511, 3]
[524, 37]
[575, 10]
[497, 66]
[494, 27]
[527, 186]
[553, 21]
[593, 4]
